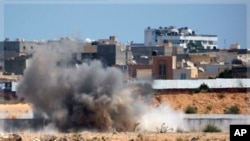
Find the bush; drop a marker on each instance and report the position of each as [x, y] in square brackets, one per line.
[226, 74]
[232, 110]
[203, 88]
[190, 110]
[211, 128]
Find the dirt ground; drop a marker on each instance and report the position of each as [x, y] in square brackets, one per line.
[15, 111]
[207, 103]
[217, 103]
[128, 136]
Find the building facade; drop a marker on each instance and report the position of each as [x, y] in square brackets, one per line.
[178, 37]
[163, 66]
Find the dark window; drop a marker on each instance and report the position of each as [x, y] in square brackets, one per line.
[183, 76]
[162, 71]
[24, 47]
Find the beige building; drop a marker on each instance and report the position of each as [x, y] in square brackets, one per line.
[202, 58]
[144, 74]
[185, 73]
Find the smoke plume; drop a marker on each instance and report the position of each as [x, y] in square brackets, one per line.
[86, 96]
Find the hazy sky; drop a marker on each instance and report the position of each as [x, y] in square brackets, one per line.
[36, 21]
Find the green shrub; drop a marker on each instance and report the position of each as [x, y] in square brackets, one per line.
[211, 128]
[226, 74]
[232, 110]
[190, 110]
[202, 88]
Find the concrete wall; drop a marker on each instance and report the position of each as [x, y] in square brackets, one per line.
[192, 122]
[197, 122]
[15, 66]
[121, 55]
[197, 59]
[107, 54]
[193, 84]
[144, 74]
[133, 69]
[215, 69]
[143, 54]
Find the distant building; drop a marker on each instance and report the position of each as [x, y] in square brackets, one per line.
[15, 65]
[143, 54]
[235, 46]
[15, 52]
[163, 66]
[140, 71]
[108, 51]
[185, 73]
[178, 37]
[241, 72]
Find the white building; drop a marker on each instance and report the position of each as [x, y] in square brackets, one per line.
[178, 37]
[235, 46]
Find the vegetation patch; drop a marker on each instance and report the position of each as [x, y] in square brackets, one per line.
[190, 110]
[211, 128]
[226, 74]
[232, 110]
[202, 89]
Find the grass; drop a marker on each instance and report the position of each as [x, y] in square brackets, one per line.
[211, 128]
[164, 129]
[190, 110]
[232, 110]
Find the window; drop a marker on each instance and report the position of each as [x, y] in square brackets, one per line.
[162, 71]
[183, 76]
[24, 47]
[31, 47]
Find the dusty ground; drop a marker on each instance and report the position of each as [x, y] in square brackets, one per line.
[13, 111]
[207, 103]
[217, 102]
[128, 136]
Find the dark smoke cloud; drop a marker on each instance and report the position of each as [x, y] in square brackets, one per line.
[74, 98]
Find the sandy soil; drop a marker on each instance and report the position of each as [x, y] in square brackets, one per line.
[12, 111]
[128, 136]
[217, 102]
[207, 103]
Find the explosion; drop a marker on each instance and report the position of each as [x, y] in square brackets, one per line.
[86, 97]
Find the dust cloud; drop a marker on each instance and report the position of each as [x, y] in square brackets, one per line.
[87, 96]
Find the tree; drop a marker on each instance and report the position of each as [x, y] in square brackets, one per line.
[195, 47]
[226, 74]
